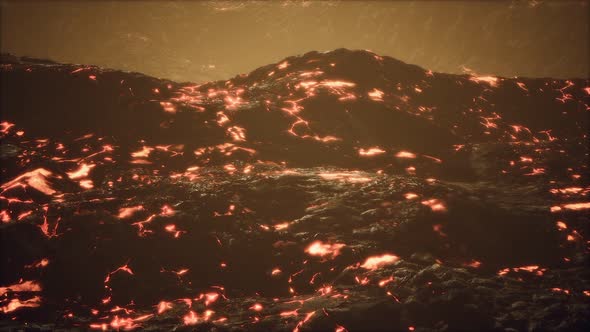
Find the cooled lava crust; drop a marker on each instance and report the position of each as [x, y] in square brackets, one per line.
[337, 191]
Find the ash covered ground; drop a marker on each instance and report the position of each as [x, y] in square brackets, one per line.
[337, 191]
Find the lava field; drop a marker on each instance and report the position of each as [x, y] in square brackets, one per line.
[336, 191]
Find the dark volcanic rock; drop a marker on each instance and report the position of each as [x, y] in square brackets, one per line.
[328, 192]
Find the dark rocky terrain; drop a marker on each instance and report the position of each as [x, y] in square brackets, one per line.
[338, 191]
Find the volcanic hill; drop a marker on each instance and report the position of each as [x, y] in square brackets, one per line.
[336, 191]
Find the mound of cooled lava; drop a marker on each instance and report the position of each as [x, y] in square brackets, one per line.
[337, 191]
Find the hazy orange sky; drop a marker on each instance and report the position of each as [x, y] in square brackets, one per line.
[203, 40]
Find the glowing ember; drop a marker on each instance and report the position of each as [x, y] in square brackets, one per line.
[325, 290]
[305, 320]
[167, 211]
[24, 215]
[181, 272]
[376, 262]
[86, 184]
[435, 205]
[126, 324]
[318, 248]
[561, 225]
[384, 282]
[127, 212]
[289, 313]
[15, 304]
[125, 268]
[536, 171]
[172, 229]
[337, 84]
[371, 151]
[474, 264]
[405, 154]
[163, 306]
[143, 153]
[340, 328]
[283, 65]
[5, 216]
[190, 318]
[233, 103]
[522, 86]
[5, 127]
[281, 226]
[530, 268]
[577, 206]
[256, 307]
[40, 264]
[376, 95]
[567, 191]
[25, 286]
[363, 281]
[238, 134]
[35, 179]
[491, 80]
[168, 107]
[560, 290]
